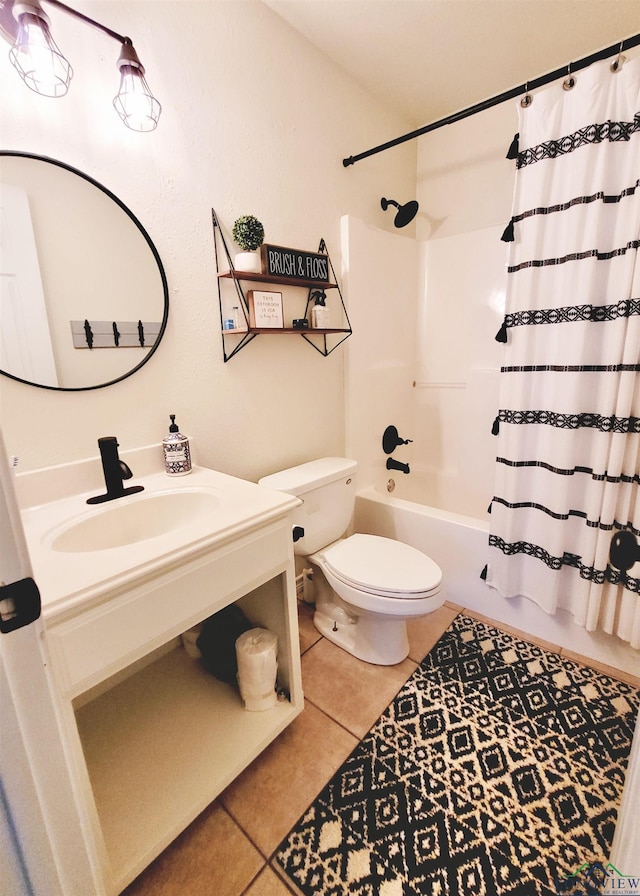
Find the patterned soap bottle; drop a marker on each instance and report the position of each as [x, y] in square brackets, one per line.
[177, 454]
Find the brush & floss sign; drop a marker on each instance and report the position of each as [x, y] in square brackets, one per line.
[294, 264]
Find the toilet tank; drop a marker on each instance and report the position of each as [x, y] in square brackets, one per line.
[327, 489]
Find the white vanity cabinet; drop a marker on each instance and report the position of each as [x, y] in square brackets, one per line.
[152, 737]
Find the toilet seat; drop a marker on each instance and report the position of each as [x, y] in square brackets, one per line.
[383, 566]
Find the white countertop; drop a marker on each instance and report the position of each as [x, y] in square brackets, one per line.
[67, 580]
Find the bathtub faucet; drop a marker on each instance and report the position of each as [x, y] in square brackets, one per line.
[396, 465]
[391, 440]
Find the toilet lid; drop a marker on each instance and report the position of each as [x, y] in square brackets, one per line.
[383, 566]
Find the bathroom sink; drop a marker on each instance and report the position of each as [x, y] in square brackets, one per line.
[140, 518]
[80, 552]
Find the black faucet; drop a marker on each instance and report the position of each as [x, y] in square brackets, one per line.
[115, 471]
[396, 465]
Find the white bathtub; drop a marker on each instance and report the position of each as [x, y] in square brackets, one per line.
[459, 545]
[444, 489]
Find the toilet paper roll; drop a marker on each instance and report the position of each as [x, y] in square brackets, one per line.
[189, 639]
[256, 653]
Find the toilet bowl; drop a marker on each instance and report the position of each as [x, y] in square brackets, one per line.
[380, 584]
[366, 586]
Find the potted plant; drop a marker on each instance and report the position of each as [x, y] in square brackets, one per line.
[248, 234]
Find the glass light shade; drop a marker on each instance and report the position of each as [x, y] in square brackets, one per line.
[135, 104]
[36, 57]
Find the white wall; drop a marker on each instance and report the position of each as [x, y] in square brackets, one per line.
[254, 121]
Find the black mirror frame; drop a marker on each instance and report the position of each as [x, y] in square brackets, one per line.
[154, 251]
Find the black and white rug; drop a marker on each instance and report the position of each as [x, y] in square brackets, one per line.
[498, 769]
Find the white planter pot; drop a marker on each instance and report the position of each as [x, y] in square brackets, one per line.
[249, 262]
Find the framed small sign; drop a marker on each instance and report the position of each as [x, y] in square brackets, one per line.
[265, 309]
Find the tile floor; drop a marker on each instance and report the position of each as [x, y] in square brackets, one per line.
[227, 850]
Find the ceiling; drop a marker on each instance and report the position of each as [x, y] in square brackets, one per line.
[430, 58]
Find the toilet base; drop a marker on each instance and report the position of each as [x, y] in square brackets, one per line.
[381, 640]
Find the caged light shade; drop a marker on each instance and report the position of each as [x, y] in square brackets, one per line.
[35, 55]
[134, 103]
[45, 70]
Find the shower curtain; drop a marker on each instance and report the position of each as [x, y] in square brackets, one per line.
[568, 428]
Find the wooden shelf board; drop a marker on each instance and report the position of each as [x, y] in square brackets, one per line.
[280, 330]
[270, 278]
[159, 747]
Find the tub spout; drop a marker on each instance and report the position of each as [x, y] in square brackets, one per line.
[115, 472]
[396, 465]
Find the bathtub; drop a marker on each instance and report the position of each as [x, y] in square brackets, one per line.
[459, 545]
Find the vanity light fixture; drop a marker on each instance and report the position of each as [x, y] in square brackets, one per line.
[134, 102]
[35, 54]
[45, 70]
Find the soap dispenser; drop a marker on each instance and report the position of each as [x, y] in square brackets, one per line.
[320, 317]
[177, 454]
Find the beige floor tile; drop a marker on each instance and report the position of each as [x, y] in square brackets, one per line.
[510, 630]
[350, 691]
[618, 674]
[309, 634]
[211, 856]
[424, 632]
[268, 883]
[272, 793]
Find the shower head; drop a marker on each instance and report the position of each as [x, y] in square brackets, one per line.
[406, 213]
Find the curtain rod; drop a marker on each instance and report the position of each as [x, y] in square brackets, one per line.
[625, 44]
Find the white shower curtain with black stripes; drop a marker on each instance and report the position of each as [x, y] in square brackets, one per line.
[568, 428]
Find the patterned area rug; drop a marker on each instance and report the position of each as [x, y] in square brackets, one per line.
[498, 769]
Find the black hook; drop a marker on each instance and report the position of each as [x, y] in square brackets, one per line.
[88, 332]
[116, 334]
[391, 440]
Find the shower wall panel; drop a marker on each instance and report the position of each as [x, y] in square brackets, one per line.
[460, 308]
[380, 271]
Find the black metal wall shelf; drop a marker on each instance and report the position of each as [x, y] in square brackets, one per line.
[323, 340]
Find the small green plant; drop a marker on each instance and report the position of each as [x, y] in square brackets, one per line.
[248, 233]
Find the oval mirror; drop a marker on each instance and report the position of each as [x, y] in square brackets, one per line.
[84, 300]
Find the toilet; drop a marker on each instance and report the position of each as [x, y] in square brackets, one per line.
[366, 586]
